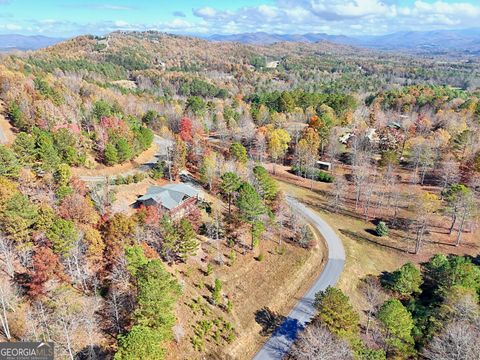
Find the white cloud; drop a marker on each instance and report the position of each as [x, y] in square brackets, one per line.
[10, 27]
[121, 23]
[349, 17]
[360, 16]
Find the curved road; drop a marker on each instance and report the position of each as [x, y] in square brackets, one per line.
[278, 344]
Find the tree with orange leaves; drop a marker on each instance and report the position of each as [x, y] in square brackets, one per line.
[46, 266]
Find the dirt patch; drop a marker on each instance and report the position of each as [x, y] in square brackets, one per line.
[119, 169]
[7, 136]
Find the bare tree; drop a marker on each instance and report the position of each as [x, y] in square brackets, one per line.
[459, 341]
[449, 173]
[7, 255]
[361, 171]
[8, 300]
[338, 193]
[374, 297]
[425, 206]
[316, 343]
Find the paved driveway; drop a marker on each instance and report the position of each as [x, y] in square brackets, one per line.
[281, 340]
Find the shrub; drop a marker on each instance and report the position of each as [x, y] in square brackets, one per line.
[324, 177]
[381, 229]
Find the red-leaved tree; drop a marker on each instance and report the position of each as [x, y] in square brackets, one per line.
[46, 267]
[186, 132]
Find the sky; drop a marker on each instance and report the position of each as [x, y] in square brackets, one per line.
[63, 18]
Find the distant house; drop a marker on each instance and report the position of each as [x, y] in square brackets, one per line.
[323, 165]
[174, 199]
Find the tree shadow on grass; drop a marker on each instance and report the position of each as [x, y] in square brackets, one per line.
[358, 237]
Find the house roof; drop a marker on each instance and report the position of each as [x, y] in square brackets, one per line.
[169, 196]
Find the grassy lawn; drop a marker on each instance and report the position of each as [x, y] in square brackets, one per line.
[363, 257]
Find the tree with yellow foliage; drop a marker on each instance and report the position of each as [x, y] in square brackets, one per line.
[278, 140]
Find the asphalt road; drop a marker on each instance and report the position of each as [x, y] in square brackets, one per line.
[277, 346]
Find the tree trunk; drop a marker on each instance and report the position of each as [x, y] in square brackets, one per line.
[367, 328]
[418, 243]
[454, 220]
[4, 318]
[460, 230]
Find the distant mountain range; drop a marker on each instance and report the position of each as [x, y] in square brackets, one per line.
[465, 41]
[10, 42]
[438, 41]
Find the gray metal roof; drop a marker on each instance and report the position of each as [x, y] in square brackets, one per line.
[169, 196]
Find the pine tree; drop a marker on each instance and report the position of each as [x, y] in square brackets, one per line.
[46, 151]
[250, 205]
[9, 165]
[187, 243]
[381, 229]
[154, 318]
[406, 280]
[24, 147]
[230, 184]
[124, 150]
[169, 238]
[63, 235]
[179, 161]
[110, 155]
[336, 312]
[217, 291]
[268, 186]
[397, 324]
[239, 153]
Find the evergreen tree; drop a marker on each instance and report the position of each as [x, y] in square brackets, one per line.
[110, 155]
[169, 238]
[16, 116]
[268, 186]
[446, 272]
[17, 217]
[381, 229]
[46, 151]
[63, 235]
[24, 147]
[397, 325]
[238, 152]
[217, 291]
[336, 312]
[406, 280]
[124, 150]
[154, 318]
[229, 185]
[187, 243]
[9, 165]
[250, 205]
[63, 174]
[208, 169]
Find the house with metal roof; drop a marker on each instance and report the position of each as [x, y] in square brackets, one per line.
[176, 199]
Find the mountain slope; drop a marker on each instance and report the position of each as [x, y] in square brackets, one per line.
[467, 40]
[22, 42]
